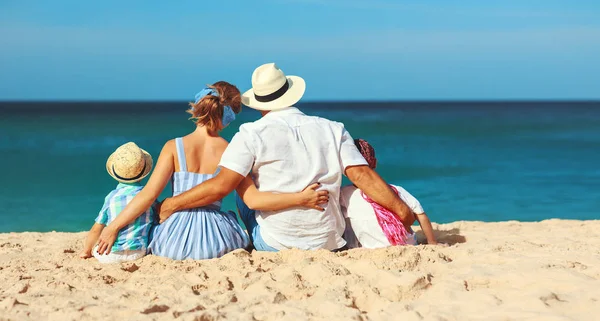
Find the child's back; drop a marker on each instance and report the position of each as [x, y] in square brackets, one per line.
[128, 165]
[135, 235]
[362, 227]
[370, 225]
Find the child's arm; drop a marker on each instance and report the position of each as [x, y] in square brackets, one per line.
[266, 201]
[427, 228]
[90, 240]
[142, 201]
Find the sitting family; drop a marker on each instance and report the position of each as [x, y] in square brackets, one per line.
[287, 171]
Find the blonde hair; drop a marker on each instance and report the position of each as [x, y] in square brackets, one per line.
[208, 111]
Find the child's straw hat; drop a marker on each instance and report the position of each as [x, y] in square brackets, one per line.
[129, 163]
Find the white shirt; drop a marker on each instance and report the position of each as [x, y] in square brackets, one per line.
[287, 151]
[362, 227]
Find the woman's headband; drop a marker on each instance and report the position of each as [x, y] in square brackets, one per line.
[228, 114]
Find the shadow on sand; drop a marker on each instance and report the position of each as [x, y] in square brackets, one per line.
[449, 237]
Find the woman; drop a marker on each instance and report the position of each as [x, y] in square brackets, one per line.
[205, 232]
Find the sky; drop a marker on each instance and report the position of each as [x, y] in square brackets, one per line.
[344, 49]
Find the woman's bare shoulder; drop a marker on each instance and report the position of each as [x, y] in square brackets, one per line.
[169, 146]
[220, 143]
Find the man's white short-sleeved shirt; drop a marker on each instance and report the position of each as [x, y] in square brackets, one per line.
[286, 151]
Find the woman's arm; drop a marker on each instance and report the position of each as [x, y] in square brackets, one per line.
[427, 228]
[266, 201]
[142, 201]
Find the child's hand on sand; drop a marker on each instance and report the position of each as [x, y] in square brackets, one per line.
[312, 198]
[85, 254]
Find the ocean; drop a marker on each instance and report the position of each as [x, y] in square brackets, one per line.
[483, 161]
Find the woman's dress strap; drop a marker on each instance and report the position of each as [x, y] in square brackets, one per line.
[181, 154]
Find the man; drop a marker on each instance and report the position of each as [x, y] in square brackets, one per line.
[285, 151]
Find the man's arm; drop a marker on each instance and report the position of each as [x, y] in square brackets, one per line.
[204, 194]
[368, 181]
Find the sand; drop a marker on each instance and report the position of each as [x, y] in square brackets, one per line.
[491, 271]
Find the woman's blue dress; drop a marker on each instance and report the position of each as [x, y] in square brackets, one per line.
[198, 233]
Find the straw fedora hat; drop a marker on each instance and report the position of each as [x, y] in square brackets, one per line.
[272, 90]
[129, 163]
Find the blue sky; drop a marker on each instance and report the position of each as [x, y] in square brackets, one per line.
[345, 49]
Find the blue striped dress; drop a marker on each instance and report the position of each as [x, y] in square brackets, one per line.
[198, 233]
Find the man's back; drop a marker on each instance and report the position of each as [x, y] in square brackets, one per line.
[289, 151]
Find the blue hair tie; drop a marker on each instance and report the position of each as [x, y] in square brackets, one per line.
[228, 114]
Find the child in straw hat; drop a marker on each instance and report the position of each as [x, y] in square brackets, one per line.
[128, 165]
[370, 225]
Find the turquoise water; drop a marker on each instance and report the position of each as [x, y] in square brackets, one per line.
[463, 161]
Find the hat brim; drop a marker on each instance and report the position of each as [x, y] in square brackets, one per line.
[291, 96]
[148, 167]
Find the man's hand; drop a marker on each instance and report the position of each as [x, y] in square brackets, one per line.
[165, 210]
[107, 239]
[312, 198]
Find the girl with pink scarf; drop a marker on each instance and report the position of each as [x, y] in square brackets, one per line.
[369, 224]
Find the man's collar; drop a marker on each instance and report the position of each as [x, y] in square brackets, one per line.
[285, 111]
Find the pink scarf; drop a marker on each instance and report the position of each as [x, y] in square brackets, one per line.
[391, 225]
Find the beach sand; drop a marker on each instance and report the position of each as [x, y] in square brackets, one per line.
[491, 271]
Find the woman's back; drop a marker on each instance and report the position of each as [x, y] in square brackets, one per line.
[196, 158]
[202, 232]
[202, 153]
